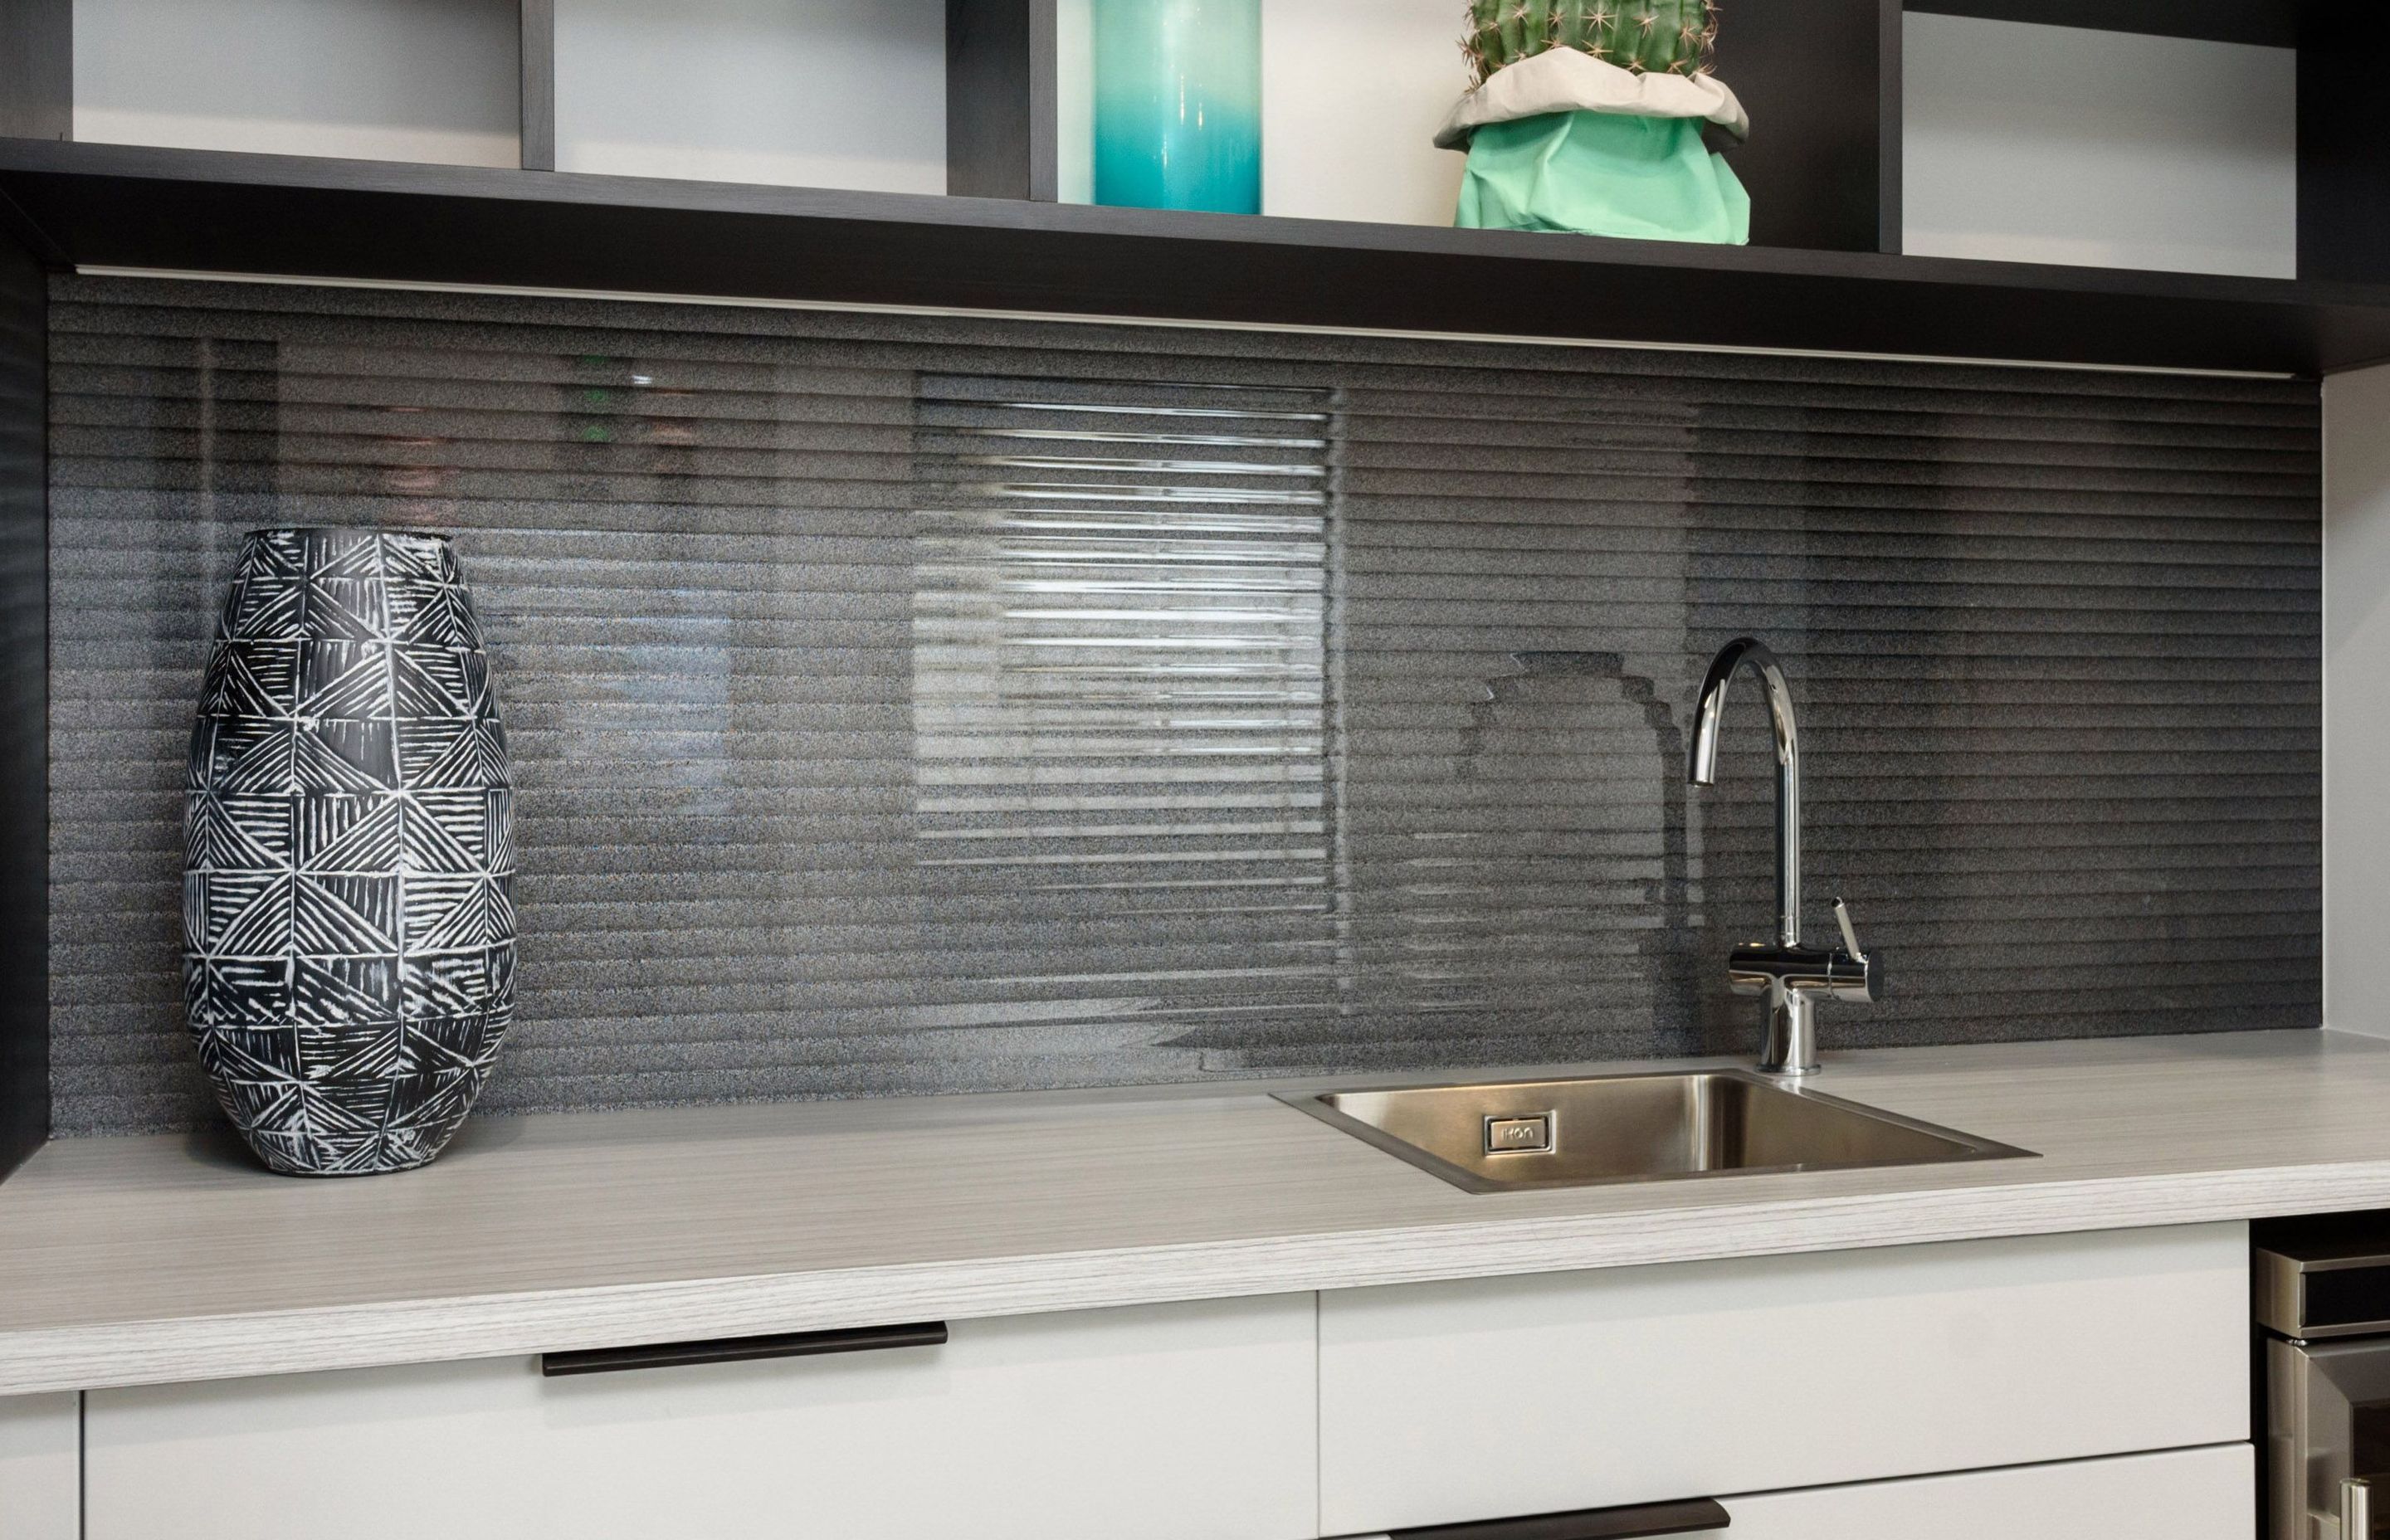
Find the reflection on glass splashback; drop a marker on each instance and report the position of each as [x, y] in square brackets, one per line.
[914, 704]
[1120, 691]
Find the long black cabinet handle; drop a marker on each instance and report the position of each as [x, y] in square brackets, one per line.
[1593, 1524]
[737, 1350]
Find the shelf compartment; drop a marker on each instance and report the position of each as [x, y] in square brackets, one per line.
[394, 80]
[1347, 129]
[2101, 148]
[1826, 158]
[832, 92]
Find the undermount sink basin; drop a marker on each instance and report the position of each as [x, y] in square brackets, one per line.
[1632, 1128]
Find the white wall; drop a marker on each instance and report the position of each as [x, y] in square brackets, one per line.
[394, 80]
[2356, 699]
[1074, 93]
[1353, 92]
[810, 93]
[815, 93]
[2057, 144]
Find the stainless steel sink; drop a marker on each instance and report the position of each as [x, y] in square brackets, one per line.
[1633, 1128]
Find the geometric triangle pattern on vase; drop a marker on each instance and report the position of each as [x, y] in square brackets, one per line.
[348, 887]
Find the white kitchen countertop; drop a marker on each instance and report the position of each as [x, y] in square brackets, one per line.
[132, 1260]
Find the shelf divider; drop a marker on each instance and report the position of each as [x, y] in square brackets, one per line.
[538, 57]
[1821, 80]
[1001, 99]
[37, 69]
[2343, 154]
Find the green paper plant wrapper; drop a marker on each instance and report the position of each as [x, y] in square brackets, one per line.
[1597, 173]
[1659, 36]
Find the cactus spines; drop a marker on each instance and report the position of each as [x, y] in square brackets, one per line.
[1656, 35]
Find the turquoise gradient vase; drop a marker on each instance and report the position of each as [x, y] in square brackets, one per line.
[1179, 104]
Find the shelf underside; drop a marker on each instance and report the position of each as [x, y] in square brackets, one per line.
[101, 205]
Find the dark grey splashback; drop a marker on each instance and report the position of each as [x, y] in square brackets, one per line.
[909, 704]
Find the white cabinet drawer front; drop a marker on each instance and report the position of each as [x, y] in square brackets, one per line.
[1179, 1422]
[2185, 1495]
[1451, 1402]
[41, 1467]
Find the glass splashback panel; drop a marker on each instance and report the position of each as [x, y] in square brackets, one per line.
[907, 703]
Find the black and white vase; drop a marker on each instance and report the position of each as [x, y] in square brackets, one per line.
[348, 896]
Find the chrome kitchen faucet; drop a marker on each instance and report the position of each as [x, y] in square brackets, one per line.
[1792, 976]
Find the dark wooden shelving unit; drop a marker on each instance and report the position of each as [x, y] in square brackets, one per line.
[535, 71]
[1002, 100]
[1823, 272]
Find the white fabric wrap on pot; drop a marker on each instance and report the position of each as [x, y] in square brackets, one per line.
[1568, 80]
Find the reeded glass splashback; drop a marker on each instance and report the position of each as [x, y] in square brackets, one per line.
[908, 704]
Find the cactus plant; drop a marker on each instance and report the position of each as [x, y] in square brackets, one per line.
[1654, 36]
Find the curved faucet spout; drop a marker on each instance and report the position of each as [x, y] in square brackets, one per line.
[1709, 716]
[1793, 977]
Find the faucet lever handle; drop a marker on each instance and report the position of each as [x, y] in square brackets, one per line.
[1850, 936]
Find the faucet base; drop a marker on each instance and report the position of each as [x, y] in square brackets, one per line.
[1792, 1047]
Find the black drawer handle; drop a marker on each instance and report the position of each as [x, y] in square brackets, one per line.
[1593, 1524]
[737, 1349]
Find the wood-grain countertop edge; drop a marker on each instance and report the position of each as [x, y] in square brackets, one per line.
[427, 1330]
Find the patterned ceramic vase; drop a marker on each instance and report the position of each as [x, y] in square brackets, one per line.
[348, 904]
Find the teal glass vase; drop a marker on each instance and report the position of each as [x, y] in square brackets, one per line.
[1179, 104]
